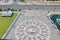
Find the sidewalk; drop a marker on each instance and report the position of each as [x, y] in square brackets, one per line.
[41, 3]
[6, 2]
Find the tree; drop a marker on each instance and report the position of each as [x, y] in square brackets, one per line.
[8, 9]
[12, 9]
[19, 10]
[0, 9]
[52, 0]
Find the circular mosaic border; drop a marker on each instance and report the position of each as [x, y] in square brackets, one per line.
[32, 30]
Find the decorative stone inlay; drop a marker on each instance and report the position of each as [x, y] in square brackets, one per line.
[32, 30]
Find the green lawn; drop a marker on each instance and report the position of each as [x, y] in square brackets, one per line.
[5, 23]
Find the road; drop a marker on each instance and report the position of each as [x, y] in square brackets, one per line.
[17, 6]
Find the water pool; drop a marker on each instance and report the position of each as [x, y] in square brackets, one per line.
[53, 18]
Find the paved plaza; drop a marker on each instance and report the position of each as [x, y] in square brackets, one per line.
[30, 27]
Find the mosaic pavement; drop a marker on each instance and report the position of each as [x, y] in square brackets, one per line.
[32, 30]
